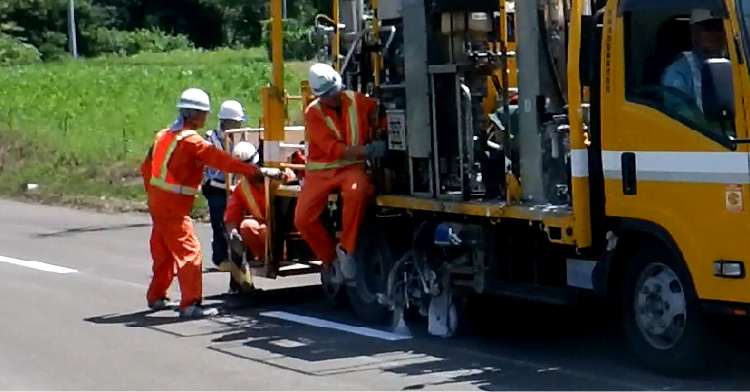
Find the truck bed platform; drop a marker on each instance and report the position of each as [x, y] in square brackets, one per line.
[556, 218]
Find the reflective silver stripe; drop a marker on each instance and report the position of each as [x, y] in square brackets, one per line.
[682, 166]
[313, 166]
[328, 121]
[216, 140]
[179, 189]
[353, 118]
[161, 180]
[215, 176]
[695, 72]
[353, 134]
[247, 194]
[217, 184]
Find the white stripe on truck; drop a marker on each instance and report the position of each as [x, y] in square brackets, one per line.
[672, 166]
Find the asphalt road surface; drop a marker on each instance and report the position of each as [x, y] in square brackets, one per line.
[73, 317]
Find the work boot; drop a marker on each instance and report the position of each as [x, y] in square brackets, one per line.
[198, 311]
[333, 272]
[164, 303]
[347, 264]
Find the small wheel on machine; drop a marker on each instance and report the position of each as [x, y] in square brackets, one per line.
[660, 313]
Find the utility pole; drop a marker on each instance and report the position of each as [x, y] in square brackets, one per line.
[283, 9]
[72, 28]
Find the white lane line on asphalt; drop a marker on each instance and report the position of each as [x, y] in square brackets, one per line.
[38, 265]
[321, 323]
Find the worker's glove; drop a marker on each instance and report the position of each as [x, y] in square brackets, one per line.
[256, 176]
[289, 175]
[272, 173]
[235, 241]
[375, 149]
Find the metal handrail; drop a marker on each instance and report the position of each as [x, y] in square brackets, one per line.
[260, 129]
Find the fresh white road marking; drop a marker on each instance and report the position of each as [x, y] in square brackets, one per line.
[320, 323]
[38, 265]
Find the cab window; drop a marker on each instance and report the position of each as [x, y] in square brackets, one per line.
[664, 53]
[511, 23]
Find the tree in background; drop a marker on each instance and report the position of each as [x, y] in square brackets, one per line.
[127, 27]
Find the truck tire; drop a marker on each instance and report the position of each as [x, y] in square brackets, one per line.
[374, 262]
[660, 313]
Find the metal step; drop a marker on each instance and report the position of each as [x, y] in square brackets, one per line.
[288, 268]
[300, 269]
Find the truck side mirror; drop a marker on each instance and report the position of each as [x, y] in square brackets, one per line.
[718, 90]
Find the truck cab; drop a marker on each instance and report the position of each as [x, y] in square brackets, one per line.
[669, 170]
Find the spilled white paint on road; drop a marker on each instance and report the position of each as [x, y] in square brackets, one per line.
[38, 265]
[321, 323]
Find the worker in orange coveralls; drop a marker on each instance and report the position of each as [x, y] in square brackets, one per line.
[248, 197]
[340, 124]
[172, 174]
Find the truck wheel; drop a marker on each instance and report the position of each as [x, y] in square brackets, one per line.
[660, 314]
[374, 262]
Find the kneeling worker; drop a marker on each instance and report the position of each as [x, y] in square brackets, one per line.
[172, 173]
[250, 198]
[340, 124]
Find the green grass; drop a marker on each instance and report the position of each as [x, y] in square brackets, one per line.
[193, 57]
[80, 129]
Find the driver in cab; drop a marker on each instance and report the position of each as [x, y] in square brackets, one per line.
[708, 42]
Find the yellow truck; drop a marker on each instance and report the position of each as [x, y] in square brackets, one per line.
[602, 180]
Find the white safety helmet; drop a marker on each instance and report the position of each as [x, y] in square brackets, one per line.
[231, 110]
[194, 98]
[246, 151]
[324, 79]
[701, 15]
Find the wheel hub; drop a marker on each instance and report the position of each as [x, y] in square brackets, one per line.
[660, 306]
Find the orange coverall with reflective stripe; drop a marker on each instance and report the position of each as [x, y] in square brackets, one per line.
[352, 181]
[250, 198]
[173, 241]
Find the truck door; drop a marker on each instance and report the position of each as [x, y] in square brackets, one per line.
[666, 167]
